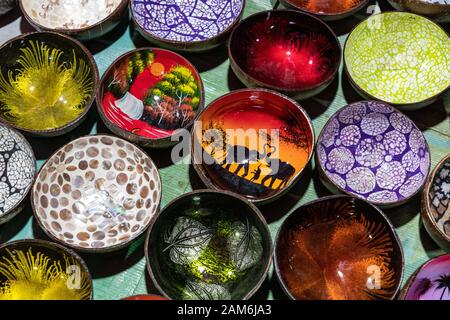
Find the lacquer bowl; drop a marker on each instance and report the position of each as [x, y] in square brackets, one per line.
[186, 25]
[436, 204]
[400, 58]
[42, 270]
[253, 142]
[338, 248]
[6, 6]
[438, 10]
[373, 151]
[96, 194]
[142, 297]
[82, 19]
[47, 83]
[430, 281]
[328, 10]
[209, 245]
[17, 172]
[146, 95]
[288, 51]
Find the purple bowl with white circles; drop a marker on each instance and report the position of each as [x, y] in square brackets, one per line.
[186, 25]
[372, 151]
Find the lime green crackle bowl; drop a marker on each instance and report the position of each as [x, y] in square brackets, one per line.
[399, 58]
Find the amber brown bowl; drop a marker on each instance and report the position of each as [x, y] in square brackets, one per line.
[288, 51]
[338, 248]
[95, 18]
[47, 83]
[329, 10]
[436, 204]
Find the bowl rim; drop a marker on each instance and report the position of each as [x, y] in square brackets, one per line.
[132, 136]
[345, 192]
[372, 97]
[181, 43]
[105, 249]
[395, 240]
[405, 290]
[328, 15]
[51, 246]
[120, 8]
[30, 185]
[230, 194]
[426, 211]
[263, 84]
[205, 177]
[90, 58]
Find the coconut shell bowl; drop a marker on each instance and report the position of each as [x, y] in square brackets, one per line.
[47, 83]
[438, 10]
[400, 58]
[436, 204]
[373, 151]
[338, 248]
[287, 51]
[6, 6]
[328, 10]
[146, 95]
[82, 19]
[209, 245]
[96, 194]
[17, 172]
[430, 281]
[253, 142]
[186, 25]
[42, 270]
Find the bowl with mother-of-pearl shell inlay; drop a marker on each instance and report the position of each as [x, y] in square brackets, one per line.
[97, 193]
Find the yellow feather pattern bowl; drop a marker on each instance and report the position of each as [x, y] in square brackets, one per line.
[47, 83]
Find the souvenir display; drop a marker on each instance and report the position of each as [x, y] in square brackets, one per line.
[327, 9]
[435, 9]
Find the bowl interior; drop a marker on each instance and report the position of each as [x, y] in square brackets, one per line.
[186, 20]
[252, 142]
[69, 14]
[338, 248]
[40, 270]
[431, 281]
[151, 93]
[327, 7]
[285, 49]
[17, 169]
[399, 58]
[209, 245]
[97, 193]
[46, 82]
[439, 198]
[373, 151]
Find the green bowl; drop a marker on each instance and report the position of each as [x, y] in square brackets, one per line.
[209, 245]
[399, 58]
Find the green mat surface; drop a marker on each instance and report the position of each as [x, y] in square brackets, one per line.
[123, 273]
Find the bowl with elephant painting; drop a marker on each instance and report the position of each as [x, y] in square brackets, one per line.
[254, 142]
[147, 94]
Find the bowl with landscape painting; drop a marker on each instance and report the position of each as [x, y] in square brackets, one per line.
[438, 10]
[47, 83]
[288, 51]
[338, 248]
[254, 142]
[209, 245]
[146, 95]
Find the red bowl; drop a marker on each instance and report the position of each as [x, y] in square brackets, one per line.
[288, 51]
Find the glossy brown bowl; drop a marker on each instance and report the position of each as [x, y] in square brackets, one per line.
[338, 248]
[205, 24]
[328, 10]
[47, 83]
[147, 95]
[438, 10]
[436, 204]
[84, 20]
[288, 51]
[254, 142]
[42, 270]
[18, 170]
